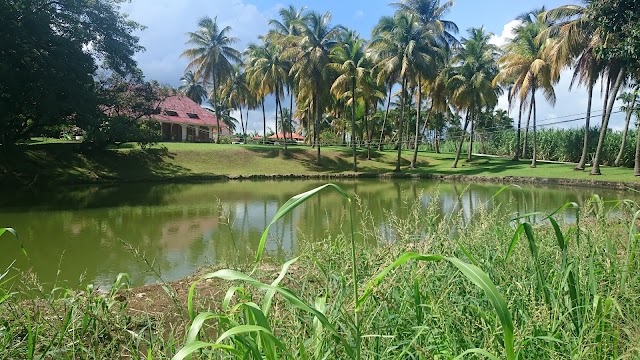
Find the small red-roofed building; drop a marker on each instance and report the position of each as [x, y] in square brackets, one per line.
[290, 136]
[182, 119]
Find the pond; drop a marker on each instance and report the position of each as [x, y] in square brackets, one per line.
[75, 236]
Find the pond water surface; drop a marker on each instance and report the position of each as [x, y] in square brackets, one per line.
[76, 236]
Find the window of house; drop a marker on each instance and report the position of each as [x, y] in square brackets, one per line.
[193, 116]
[171, 113]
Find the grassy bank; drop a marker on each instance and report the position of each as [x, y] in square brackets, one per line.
[532, 288]
[68, 163]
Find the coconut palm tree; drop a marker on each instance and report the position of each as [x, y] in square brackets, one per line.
[224, 108]
[629, 99]
[348, 62]
[283, 33]
[400, 47]
[268, 71]
[211, 56]
[236, 90]
[311, 51]
[575, 39]
[429, 16]
[526, 61]
[471, 85]
[192, 88]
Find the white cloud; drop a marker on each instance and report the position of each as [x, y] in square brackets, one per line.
[507, 33]
[359, 13]
[168, 21]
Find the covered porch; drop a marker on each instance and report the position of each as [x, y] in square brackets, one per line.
[186, 132]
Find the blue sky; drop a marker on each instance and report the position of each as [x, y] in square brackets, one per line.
[167, 22]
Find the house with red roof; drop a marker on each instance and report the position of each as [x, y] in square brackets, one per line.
[183, 119]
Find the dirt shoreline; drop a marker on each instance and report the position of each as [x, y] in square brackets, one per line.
[523, 180]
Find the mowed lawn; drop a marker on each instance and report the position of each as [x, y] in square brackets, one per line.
[271, 160]
[60, 162]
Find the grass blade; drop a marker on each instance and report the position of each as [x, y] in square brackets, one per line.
[291, 204]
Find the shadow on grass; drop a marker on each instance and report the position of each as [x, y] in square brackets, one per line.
[332, 160]
[72, 163]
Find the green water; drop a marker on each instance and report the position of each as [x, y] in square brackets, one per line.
[76, 236]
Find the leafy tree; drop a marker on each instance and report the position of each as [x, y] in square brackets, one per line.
[46, 74]
[127, 106]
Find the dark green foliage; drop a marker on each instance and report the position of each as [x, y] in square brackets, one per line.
[619, 20]
[48, 55]
[124, 104]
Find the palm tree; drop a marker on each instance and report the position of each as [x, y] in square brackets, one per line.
[253, 53]
[348, 62]
[268, 71]
[236, 91]
[401, 47]
[629, 100]
[310, 50]
[471, 85]
[526, 61]
[223, 108]
[192, 88]
[575, 40]
[211, 56]
[283, 32]
[429, 16]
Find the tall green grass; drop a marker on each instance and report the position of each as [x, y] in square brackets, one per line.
[489, 285]
[553, 292]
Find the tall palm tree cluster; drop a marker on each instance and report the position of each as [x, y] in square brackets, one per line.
[337, 83]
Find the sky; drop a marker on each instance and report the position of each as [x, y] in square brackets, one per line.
[168, 21]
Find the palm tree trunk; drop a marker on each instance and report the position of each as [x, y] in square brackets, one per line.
[353, 122]
[215, 107]
[404, 85]
[459, 150]
[290, 120]
[264, 123]
[470, 152]
[626, 129]
[386, 114]
[246, 125]
[242, 124]
[605, 123]
[276, 125]
[282, 125]
[585, 142]
[516, 155]
[526, 129]
[535, 145]
[317, 126]
[366, 129]
[636, 167]
[414, 160]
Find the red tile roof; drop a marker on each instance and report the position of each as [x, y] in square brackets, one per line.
[290, 136]
[175, 109]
